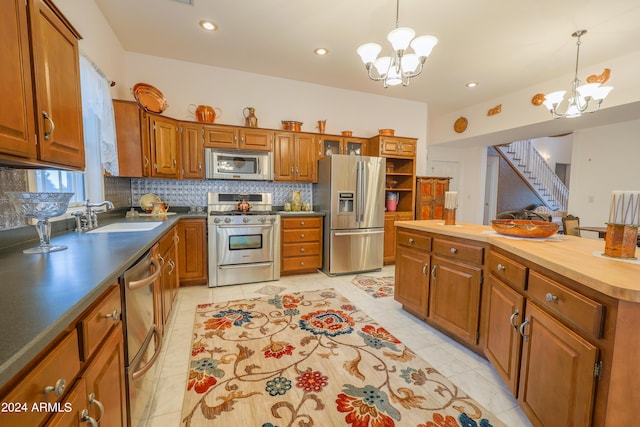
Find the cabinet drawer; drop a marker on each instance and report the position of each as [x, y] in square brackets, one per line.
[61, 364]
[300, 249]
[301, 235]
[573, 307]
[507, 270]
[301, 222]
[414, 240]
[457, 250]
[301, 263]
[97, 324]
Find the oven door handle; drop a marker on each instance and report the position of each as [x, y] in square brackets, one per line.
[255, 264]
[245, 226]
[140, 372]
[136, 284]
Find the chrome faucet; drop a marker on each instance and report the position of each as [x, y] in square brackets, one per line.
[88, 219]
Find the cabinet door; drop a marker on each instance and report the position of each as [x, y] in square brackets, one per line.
[57, 76]
[430, 198]
[77, 407]
[164, 148]
[306, 169]
[17, 127]
[504, 308]
[105, 382]
[130, 125]
[454, 298]
[220, 137]
[412, 280]
[399, 147]
[389, 238]
[557, 381]
[330, 145]
[284, 157]
[192, 138]
[255, 139]
[192, 251]
[169, 280]
[355, 146]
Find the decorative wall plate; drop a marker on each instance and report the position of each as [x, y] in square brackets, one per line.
[460, 125]
[537, 99]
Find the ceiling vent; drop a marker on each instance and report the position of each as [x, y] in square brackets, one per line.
[188, 2]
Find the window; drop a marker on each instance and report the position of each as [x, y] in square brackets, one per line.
[58, 181]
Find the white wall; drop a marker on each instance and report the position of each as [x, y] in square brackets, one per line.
[557, 149]
[604, 159]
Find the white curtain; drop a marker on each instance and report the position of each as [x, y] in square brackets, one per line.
[97, 115]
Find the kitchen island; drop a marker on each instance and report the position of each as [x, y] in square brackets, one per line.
[555, 318]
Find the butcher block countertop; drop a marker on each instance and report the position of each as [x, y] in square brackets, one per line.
[576, 258]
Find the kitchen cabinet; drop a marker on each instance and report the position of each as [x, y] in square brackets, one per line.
[393, 146]
[192, 145]
[132, 137]
[329, 144]
[80, 371]
[412, 272]
[233, 138]
[390, 218]
[192, 251]
[430, 197]
[40, 124]
[169, 279]
[301, 240]
[164, 147]
[295, 157]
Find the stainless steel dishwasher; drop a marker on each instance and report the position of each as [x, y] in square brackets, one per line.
[142, 335]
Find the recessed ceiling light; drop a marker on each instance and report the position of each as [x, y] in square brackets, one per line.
[472, 84]
[208, 25]
[321, 51]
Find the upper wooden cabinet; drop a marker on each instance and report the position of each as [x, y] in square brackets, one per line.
[222, 136]
[392, 146]
[295, 157]
[329, 145]
[164, 145]
[132, 138]
[51, 113]
[192, 142]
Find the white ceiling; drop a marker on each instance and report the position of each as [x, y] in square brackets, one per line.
[504, 45]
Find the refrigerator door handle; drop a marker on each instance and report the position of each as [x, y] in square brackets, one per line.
[358, 191]
[364, 187]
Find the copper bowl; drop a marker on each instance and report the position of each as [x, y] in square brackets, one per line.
[347, 133]
[291, 125]
[387, 132]
[524, 228]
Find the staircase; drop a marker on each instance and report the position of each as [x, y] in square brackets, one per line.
[531, 166]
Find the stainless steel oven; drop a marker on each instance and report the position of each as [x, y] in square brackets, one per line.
[142, 336]
[244, 247]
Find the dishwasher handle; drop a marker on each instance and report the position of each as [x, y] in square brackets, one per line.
[136, 284]
[158, 339]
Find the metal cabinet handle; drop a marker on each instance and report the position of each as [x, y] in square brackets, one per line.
[84, 417]
[433, 271]
[176, 239]
[94, 401]
[411, 240]
[425, 269]
[172, 264]
[58, 388]
[551, 298]
[301, 222]
[301, 249]
[47, 134]
[512, 318]
[501, 267]
[161, 260]
[145, 161]
[115, 315]
[453, 250]
[175, 162]
[242, 139]
[301, 262]
[522, 326]
[302, 235]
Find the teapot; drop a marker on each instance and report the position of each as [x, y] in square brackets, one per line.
[250, 119]
[159, 208]
[243, 206]
[204, 113]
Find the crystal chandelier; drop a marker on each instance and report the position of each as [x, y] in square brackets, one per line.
[581, 96]
[402, 66]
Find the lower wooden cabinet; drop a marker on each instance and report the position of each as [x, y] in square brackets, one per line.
[169, 279]
[192, 251]
[412, 280]
[390, 233]
[301, 240]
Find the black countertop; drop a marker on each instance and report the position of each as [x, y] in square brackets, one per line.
[42, 294]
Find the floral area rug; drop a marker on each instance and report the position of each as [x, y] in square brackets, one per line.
[313, 359]
[377, 287]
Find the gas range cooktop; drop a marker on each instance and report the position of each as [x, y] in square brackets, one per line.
[227, 204]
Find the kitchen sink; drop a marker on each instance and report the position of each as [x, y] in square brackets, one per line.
[127, 227]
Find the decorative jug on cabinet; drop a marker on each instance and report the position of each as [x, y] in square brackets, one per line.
[250, 119]
[204, 113]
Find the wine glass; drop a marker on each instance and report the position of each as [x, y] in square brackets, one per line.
[41, 206]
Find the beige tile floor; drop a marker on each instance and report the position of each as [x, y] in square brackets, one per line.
[470, 372]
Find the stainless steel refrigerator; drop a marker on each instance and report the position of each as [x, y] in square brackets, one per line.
[350, 191]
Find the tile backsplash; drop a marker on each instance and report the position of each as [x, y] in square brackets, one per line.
[194, 193]
[11, 180]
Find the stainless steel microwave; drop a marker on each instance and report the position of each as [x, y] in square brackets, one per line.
[238, 164]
